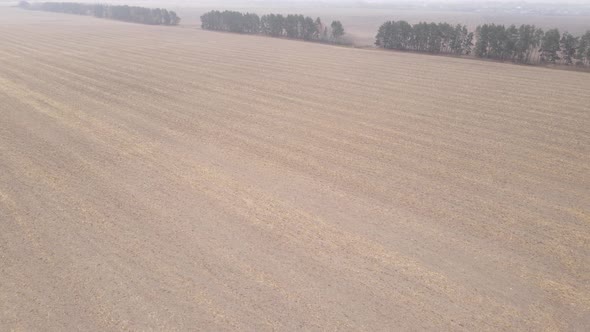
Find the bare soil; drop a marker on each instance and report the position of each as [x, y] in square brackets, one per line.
[177, 179]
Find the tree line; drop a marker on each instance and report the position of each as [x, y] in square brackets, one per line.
[425, 37]
[276, 25]
[153, 16]
[529, 44]
[525, 44]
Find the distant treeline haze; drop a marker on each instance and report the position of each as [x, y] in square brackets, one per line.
[276, 25]
[155, 16]
[524, 44]
[425, 37]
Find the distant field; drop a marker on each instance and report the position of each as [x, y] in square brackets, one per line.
[362, 24]
[171, 179]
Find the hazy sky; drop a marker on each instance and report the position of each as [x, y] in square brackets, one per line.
[386, 1]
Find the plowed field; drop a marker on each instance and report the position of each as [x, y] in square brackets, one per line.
[170, 178]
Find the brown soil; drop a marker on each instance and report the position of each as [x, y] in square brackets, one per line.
[164, 178]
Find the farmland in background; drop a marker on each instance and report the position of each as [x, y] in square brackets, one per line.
[361, 24]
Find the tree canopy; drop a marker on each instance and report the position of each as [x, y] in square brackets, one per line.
[337, 29]
[293, 26]
[154, 16]
[523, 44]
[425, 37]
